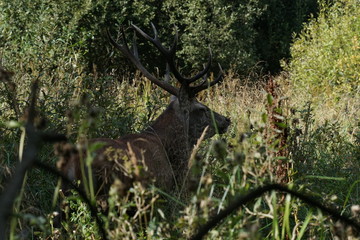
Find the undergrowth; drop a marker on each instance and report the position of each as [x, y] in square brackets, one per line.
[322, 159]
[300, 128]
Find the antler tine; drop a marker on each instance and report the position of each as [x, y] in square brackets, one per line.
[205, 84]
[155, 40]
[135, 60]
[204, 81]
[155, 31]
[123, 48]
[204, 71]
[135, 49]
[142, 33]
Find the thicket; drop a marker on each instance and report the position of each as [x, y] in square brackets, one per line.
[324, 85]
[242, 34]
[325, 58]
[88, 90]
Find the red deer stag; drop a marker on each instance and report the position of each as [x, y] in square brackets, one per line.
[166, 145]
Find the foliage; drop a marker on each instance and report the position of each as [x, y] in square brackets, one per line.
[324, 78]
[87, 91]
[240, 34]
[216, 24]
[326, 56]
[326, 154]
[225, 170]
[40, 40]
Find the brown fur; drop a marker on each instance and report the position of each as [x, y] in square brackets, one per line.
[163, 149]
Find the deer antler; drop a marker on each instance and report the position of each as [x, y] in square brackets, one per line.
[135, 60]
[169, 55]
[205, 84]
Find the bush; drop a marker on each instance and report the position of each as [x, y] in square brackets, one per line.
[241, 34]
[324, 77]
[326, 58]
[325, 155]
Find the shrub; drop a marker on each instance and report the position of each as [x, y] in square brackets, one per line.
[325, 155]
[326, 56]
[241, 34]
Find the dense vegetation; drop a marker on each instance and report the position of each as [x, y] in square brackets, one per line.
[298, 124]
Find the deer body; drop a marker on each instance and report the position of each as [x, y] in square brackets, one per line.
[163, 148]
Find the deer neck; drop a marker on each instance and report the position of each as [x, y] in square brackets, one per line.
[172, 131]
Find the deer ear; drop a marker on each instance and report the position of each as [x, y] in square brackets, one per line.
[173, 98]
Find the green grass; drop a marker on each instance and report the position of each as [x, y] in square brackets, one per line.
[317, 164]
[316, 138]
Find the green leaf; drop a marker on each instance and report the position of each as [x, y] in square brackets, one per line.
[95, 146]
[264, 117]
[13, 124]
[326, 177]
[281, 125]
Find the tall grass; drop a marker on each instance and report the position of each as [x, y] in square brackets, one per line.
[320, 151]
[225, 166]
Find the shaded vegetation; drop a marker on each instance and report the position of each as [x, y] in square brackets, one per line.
[305, 126]
[241, 34]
